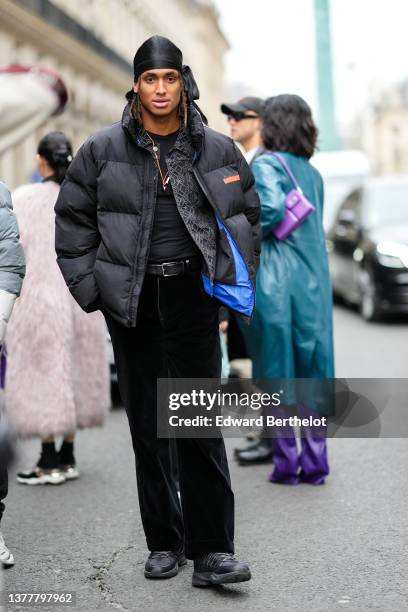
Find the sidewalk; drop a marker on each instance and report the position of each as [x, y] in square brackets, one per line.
[320, 548]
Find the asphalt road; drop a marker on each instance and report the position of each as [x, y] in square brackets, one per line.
[339, 546]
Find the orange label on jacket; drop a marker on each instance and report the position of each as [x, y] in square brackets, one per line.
[232, 179]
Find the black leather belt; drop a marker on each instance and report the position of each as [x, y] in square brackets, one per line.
[174, 268]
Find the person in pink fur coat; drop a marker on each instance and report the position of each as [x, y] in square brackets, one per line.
[58, 373]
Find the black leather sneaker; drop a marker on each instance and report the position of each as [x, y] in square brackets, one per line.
[219, 568]
[164, 563]
[250, 446]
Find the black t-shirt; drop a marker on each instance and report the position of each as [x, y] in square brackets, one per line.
[170, 238]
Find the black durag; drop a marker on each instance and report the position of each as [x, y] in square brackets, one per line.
[158, 52]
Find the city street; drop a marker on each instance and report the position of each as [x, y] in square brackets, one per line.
[144, 140]
[339, 546]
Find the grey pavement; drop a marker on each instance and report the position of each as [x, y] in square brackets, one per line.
[369, 350]
[338, 546]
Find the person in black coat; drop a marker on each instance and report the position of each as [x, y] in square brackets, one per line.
[152, 218]
[245, 123]
[245, 120]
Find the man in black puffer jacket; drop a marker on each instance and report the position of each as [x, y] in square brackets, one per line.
[156, 214]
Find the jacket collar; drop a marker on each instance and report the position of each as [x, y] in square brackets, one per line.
[194, 131]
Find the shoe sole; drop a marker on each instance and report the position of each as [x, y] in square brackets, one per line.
[254, 461]
[238, 451]
[41, 481]
[163, 575]
[74, 476]
[9, 562]
[205, 579]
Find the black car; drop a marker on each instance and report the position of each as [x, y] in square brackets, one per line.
[368, 247]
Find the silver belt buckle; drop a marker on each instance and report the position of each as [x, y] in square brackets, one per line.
[172, 264]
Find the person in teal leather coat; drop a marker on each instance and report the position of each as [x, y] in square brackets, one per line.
[291, 332]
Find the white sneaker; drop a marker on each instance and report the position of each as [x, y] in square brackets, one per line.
[6, 558]
[69, 471]
[39, 476]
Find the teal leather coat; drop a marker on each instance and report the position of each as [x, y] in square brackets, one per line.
[290, 335]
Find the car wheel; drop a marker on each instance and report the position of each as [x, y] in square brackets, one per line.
[369, 307]
[337, 298]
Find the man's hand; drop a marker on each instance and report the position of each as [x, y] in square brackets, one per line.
[223, 326]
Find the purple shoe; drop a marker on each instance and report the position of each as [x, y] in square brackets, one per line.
[313, 459]
[285, 459]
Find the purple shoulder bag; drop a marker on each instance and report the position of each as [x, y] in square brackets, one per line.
[297, 207]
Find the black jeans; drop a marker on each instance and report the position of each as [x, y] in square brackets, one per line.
[176, 335]
[3, 476]
[3, 487]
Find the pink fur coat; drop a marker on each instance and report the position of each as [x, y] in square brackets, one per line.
[58, 374]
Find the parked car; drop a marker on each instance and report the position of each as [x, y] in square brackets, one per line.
[368, 247]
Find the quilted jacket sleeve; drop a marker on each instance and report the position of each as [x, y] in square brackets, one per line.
[269, 185]
[252, 205]
[76, 230]
[12, 261]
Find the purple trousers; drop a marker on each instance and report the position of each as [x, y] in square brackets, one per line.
[308, 465]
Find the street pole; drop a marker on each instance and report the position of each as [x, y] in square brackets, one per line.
[329, 140]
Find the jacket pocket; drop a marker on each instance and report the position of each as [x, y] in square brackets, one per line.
[241, 230]
[224, 186]
[225, 265]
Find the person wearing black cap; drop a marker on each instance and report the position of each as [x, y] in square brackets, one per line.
[144, 221]
[245, 122]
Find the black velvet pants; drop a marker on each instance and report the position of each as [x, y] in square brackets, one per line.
[176, 335]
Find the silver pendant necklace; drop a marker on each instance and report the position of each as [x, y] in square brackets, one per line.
[166, 178]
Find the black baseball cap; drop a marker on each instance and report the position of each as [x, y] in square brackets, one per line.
[250, 103]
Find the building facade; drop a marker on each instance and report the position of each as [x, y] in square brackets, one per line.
[384, 130]
[91, 44]
[390, 123]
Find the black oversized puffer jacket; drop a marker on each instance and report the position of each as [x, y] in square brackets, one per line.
[105, 211]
